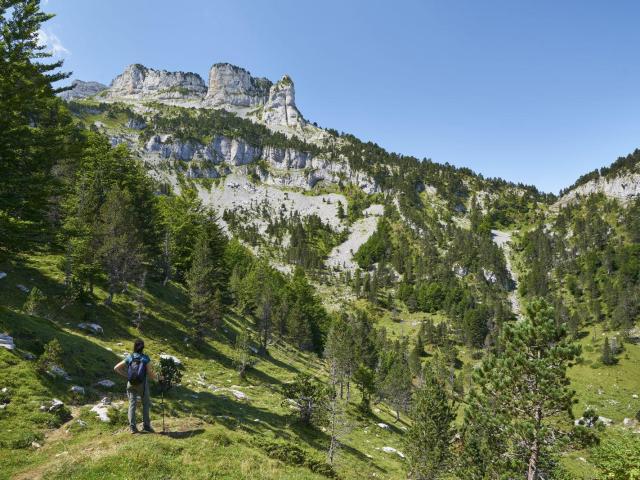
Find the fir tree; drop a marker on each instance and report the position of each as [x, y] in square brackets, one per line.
[428, 440]
[515, 413]
[607, 357]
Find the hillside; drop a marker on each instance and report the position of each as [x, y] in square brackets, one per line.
[336, 310]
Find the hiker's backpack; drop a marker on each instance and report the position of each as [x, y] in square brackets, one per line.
[137, 370]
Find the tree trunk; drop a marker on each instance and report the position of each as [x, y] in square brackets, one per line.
[535, 448]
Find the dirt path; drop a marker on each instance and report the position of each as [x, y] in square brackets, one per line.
[503, 240]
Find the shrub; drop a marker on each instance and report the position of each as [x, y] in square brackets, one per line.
[291, 454]
[51, 356]
[34, 304]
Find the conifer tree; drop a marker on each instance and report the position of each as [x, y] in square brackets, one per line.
[120, 246]
[607, 357]
[515, 414]
[428, 440]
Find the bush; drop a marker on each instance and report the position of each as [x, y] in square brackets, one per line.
[51, 356]
[293, 455]
[34, 304]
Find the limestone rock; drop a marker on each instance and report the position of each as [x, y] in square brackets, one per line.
[106, 383]
[77, 389]
[57, 371]
[91, 327]
[232, 87]
[101, 409]
[56, 405]
[23, 288]
[384, 426]
[80, 89]
[393, 450]
[7, 342]
[280, 108]
[3, 275]
[176, 360]
[138, 81]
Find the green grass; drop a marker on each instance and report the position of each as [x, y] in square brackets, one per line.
[215, 432]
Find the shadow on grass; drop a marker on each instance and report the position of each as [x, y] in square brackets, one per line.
[183, 434]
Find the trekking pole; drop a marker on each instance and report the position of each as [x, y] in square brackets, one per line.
[162, 395]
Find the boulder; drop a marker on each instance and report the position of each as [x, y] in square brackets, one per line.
[384, 426]
[106, 383]
[7, 342]
[23, 288]
[393, 450]
[91, 327]
[55, 405]
[239, 395]
[57, 371]
[3, 275]
[101, 409]
[77, 389]
[171, 357]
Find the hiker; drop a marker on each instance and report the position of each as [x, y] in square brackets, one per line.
[137, 369]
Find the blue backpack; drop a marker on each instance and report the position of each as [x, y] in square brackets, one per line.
[137, 371]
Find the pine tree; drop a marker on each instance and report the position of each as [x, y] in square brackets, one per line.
[207, 276]
[428, 440]
[35, 126]
[120, 247]
[521, 398]
[607, 357]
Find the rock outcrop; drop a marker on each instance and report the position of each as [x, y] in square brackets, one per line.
[138, 81]
[622, 187]
[80, 89]
[280, 108]
[232, 87]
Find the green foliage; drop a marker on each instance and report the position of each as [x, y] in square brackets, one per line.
[35, 129]
[170, 373]
[291, 454]
[377, 247]
[51, 356]
[309, 397]
[520, 400]
[618, 457]
[242, 355]
[428, 440]
[35, 302]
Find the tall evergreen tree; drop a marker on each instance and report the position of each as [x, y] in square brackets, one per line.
[515, 415]
[428, 440]
[35, 127]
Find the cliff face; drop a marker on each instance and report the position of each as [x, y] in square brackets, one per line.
[231, 86]
[280, 108]
[625, 187]
[80, 89]
[140, 82]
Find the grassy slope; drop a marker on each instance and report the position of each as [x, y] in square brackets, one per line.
[215, 434]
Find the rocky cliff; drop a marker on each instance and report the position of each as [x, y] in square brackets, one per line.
[623, 187]
[140, 82]
[80, 89]
[231, 87]
[280, 108]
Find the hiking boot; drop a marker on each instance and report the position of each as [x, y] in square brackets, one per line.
[148, 429]
[133, 431]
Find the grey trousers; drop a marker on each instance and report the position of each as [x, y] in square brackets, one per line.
[133, 392]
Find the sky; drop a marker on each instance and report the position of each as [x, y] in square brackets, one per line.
[538, 92]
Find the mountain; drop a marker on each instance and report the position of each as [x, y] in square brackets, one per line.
[339, 311]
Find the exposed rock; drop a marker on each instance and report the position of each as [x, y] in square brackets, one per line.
[489, 276]
[460, 271]
[106, 383]
[238, 394]
[29, 356]
[231, 86]
[55, 405]
[384, 426]
[23, 288]
[7, 342]
[140, 81]
[77, 389]
[280, 108]
[630, 422]
[285, 157]
[80, 89]
[35, 444]
[171, 357]
[136, 124]
[101, 409]
[624, 187]
[57, 371]
[3, 275]
[635, 395]
[91, 327]
[393, 450]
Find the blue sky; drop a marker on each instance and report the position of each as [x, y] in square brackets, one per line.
[533, 91]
